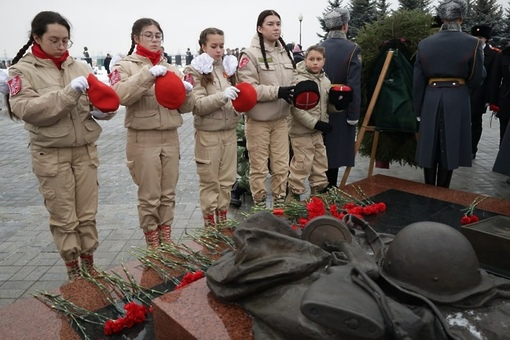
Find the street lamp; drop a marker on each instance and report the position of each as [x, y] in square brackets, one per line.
[300, 18]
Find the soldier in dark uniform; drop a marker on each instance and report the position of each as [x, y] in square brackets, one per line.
[499, 91]
[448, 65]
[343, 66]
[480, 95]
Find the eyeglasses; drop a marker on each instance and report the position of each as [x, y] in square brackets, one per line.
[55, 43]
[150, 36]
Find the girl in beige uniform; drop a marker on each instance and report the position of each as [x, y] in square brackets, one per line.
[215, 123]
[267, 65]
[152, 149]
[47, 91]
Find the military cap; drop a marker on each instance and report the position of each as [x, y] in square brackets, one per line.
[481, 31]
[337, 18]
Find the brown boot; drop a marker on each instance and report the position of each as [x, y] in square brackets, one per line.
[164, 234]
[221, 216]
[209, 220]
[152, 239]
[87, 264]
[73, 270]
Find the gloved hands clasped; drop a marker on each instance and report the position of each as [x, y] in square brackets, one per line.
[323, 127]
[286, 93]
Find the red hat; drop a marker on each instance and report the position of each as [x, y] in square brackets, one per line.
[340, 96]
[246, 98]
[306, 95]
[170, 91]
[101, 95]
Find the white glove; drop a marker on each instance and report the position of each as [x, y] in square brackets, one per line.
[158, 70]
[4, 87]
[230, 64]
[230, 93]
[188, 86]
[352, 122]
[418, 118]
[203, 63]
[80, 84]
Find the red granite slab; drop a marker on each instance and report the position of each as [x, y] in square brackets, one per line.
[193, 313]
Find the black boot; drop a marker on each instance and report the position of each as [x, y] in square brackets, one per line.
[444, 177]
[430, 175]
[235, 195]
[332, 174]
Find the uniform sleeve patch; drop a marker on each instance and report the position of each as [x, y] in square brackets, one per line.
[114, 77]
[14, 85]
[244, 61]
[189, 78]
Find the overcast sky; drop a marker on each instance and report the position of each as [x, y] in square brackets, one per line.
[104, 26]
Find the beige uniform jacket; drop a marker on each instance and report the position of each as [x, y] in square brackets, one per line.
[54, 114]
[303, 121]
[136, 91]
[211, 111]
[266, 81]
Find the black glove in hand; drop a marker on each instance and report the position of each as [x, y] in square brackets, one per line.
[323, 127]
[286, 93]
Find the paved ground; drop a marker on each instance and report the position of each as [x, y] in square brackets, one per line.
[28, 258]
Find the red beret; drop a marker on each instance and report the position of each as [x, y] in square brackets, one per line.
[246, 98]
[101, 95]
[170, 91]
[306, 95]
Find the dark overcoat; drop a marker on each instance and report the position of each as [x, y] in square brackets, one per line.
[500, 83]
[343, 66]
[444, 111]
[502, 163]
[480, 95]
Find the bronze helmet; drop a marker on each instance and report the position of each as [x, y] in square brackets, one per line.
[436, 261]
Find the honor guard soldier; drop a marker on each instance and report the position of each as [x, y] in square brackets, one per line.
[449, 64]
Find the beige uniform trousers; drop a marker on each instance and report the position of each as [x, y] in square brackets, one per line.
[309, 161]
[68, 182]
[153, 162]
[268, 140]
[216, 158]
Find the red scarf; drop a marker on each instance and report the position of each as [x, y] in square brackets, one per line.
[154, 57]
[39, 53]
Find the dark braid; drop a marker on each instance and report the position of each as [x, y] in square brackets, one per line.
[39, 27]
[133, 44]
[280, 39]
[263, 49]
[22, 51]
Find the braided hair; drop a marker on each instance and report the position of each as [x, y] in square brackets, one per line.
[260, 20]
[137, 28]
[39, 26]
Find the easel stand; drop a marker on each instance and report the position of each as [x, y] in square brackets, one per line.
[364, 125]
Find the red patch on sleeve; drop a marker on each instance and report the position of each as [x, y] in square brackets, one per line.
[244, 61]
[14, 85]
[189, 78]
[114, 77]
